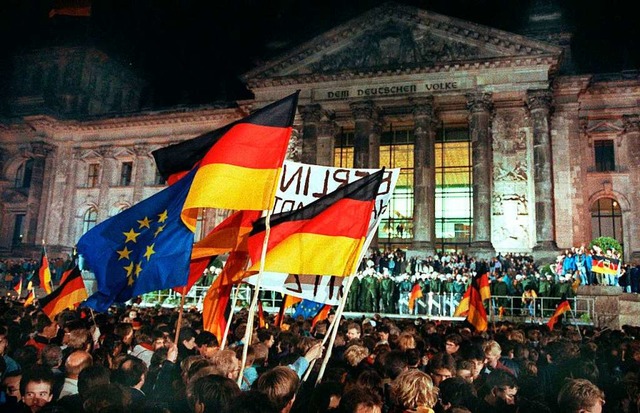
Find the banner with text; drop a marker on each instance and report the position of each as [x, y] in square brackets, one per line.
[301, 184]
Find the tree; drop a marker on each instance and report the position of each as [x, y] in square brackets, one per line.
[606, 243]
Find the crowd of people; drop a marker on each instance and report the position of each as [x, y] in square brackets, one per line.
[129, 361]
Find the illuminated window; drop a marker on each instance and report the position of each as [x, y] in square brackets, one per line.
[93, 175]
[396, 151]
[606, 219]
[89, 220]
[343, 150]
[454, 189]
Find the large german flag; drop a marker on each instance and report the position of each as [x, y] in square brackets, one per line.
[416, 293]
[605, 265]
[322, 238]
[479, 283]
[71, 292]
[238, 165]
[44, 272]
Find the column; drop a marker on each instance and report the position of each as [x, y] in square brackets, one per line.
[424, 178]
[327, 130]
[366, 151]
[140, 169]
[39, 152]
[630, 154]
[68, 226]
[539, 102]
[311, 115]
[480, 106]
[109, 170]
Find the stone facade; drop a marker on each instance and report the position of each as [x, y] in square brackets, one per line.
[532, 132]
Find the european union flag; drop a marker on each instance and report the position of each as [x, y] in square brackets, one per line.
[307, 309]
[144, 248]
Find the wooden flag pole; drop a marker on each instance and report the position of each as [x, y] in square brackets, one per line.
[254, 300]
[575, 323]
[233, 310]
[324, 342]
[179, 322]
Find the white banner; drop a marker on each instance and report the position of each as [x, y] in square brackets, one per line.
[301, 184]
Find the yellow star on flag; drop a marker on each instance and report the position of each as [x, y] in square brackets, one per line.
[163, 216]
[144, 223]
[158, 231]
[131, 235]
[149, 252]
[138, 268]
[124, 253]
[129, 269]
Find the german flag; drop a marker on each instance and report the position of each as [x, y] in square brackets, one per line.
[322, 238]
[238, 165]
[480, 283]
[215, 304]
[30, 298]
[477, 315]
[71, 292]
[562, 308]
[261, 320]
[70, 266]
[323, 314]
[416, 293]
[18, 287]
[287, 302]
[605, 265]
[44, 272]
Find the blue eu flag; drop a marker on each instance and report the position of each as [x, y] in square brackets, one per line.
[144, 248]
[307, 309]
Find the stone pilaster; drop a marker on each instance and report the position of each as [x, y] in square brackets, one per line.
[108, 178]
[631, 147]
[311, 115]
[67, 229]
[327, 130]
[34, 218]
[424, 179]
[140, 167]
[480, 106]
[367, 135]
[539, 103]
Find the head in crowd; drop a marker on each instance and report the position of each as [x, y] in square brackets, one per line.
[441, 367]
[131, 373]
[266, 336]
[51, 356]
[11, 383]
[353, 355]
[45, 327]
[353, 331]
[406, 341]
[395, 362]
[457, 392]
[211, 393]
[452, 343]
[500, 389]
[76, 362]
[475, 355]
[412, 390]
[326, 396]
[360, 400]
[107, 398]
[36, 387]
[207, 344]
[187, 338]
[91, 377]
[125, 332]
[580, 396]
[78, 339]
[280, 384]
[492, 352]
[226, 363]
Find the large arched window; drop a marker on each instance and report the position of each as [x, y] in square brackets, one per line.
[89, 219]
[606, 219]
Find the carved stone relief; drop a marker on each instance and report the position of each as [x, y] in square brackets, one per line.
[396, 45]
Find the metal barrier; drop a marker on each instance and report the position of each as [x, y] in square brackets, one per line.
[431, 305]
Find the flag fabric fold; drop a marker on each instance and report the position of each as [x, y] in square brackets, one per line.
[238, 165]
[30, 298]
[70, 292]
[562, 308]
[18, 287]
[472, 303]
[44, 272]
[261, 319]
[323, 314]
[415, 294]
[144, 248]
[287, 302]
[605, 265]
[322, 238]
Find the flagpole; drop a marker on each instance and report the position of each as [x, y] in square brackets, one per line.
[179, 322]
[233, 310]
[575, 323]
[254, 300]
[324, 342]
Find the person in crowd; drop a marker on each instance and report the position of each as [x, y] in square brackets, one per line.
[413, 391]
[212, 393]
[580, 396]
[36, 388]
[73, 366]
[280, 384]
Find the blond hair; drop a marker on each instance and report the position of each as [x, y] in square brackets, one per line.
[413, 389]
[354, 354]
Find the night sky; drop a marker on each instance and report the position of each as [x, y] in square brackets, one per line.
[192, 51]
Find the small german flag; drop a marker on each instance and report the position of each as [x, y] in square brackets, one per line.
[71, 292]
[562, 308]
[416, 293]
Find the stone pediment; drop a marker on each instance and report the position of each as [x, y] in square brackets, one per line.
[395, 38]
[14, 196]
[604, 127]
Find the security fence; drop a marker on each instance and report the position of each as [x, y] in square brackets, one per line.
[430, 305]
